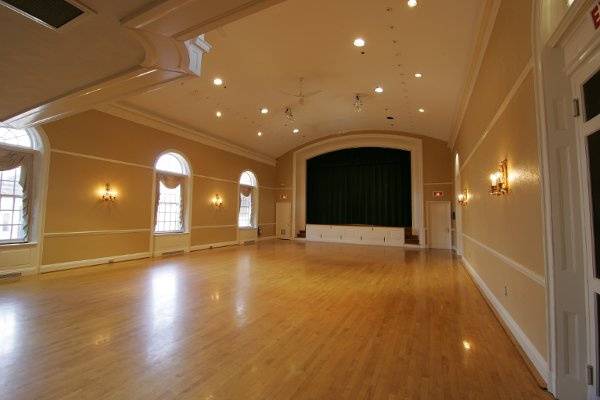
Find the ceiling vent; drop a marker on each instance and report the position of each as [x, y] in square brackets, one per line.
[54, 14]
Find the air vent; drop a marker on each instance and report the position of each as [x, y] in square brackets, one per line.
[53, 14]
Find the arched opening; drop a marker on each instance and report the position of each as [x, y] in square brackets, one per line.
[248, 211]
[170, 210]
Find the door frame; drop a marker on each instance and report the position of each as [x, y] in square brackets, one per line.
[555, 58]
[583, 129]
[449, 205]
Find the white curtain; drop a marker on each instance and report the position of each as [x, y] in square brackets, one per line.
[171, 182]
[10, 159]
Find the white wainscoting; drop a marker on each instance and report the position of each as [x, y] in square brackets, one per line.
[247, 235]
[19, 258]
[367, 235]
[168, 243]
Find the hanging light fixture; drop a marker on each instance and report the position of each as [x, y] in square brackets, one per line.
[358, 104]
[288, 113]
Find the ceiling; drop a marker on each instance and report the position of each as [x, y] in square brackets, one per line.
[263, 55]
[39, 64]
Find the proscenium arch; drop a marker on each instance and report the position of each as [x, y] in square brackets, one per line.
[353, 140]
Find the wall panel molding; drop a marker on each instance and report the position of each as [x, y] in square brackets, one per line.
[501, 109]
[97, 232]
[537, 278]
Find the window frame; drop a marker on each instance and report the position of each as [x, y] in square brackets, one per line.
[254, 201]
[184, 197]
[36, 151]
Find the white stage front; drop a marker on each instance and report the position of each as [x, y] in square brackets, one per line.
[368, 235]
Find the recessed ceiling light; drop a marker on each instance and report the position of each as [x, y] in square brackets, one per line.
[296, 130]
[421, 110]
[412, 3]
[218, 81]
[378, 89]
[418, 75]
[359, 42]
[264, 110]
[259, 133]
[219, 114]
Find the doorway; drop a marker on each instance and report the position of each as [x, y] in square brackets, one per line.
[439, 225]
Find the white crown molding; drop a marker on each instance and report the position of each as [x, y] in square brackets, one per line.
[438, 183]
[173, 48]
[163, 124]
[536, 358]
[486, 26]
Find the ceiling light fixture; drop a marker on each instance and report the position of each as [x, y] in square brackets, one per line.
[288, 113]
[259, 133]
[421, 110]
[378, 89]
[217, 81]
[358, 104]
[418, 75]
[412, 3]
[296, 130]
[219, 114]
[359, 42]
[264, 110]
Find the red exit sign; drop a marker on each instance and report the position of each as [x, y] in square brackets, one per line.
[596, 15]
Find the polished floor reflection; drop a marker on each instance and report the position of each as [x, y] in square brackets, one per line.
[276, 320]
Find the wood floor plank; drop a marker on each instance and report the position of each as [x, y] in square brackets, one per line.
[276, 320]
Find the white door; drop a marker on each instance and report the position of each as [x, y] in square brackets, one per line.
[586, 85]
[283, 220]
[567, 274]
[438, 224]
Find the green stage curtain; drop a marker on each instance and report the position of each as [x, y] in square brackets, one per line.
[360, 186]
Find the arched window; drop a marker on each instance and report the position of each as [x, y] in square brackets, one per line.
[248, 200]
[17, 151]
[172, 172]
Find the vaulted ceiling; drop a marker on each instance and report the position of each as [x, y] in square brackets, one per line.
[262, 57]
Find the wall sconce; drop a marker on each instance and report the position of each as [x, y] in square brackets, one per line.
[499, 179]
[463, 198]
[108, 194]
[217, 201]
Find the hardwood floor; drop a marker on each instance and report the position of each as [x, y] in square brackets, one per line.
[276, 320]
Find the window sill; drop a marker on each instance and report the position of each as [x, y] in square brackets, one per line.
[169, 233]
[247, 228]
[13, 245]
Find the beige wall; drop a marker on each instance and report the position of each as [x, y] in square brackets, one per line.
[503, 239]
[94, 148]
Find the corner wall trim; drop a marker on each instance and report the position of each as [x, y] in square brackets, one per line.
[92, 262]
[538, 361]
[537, 278]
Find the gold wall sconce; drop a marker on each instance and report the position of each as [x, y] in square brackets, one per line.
[499, 180]
[108, 194]
[217, 201]
[463, 198]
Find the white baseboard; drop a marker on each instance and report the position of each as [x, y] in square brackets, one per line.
[213, 245]
[91, 262]
[538, 361]
[26, 270]
[260, 239]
